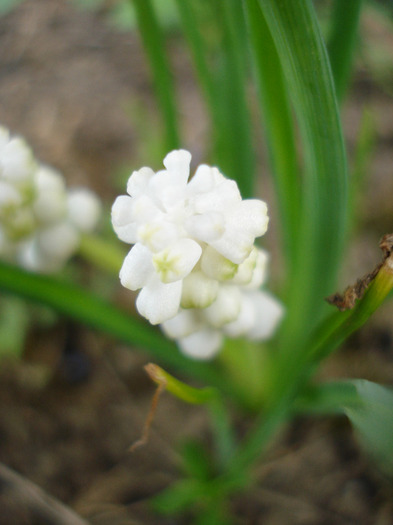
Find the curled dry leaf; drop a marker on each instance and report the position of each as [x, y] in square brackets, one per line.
[352, 293]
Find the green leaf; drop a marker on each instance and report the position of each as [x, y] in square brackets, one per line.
[305, 64]
[238, 160]
[278, 127]
[326, 398]
[154, 45]
[222, 74]
[196, 462]
[372, 418]
[342, 41]
[369, 407]
[13, 326]
[97, 313]
[178, 497]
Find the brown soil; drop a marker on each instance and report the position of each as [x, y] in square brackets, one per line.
[73, 86]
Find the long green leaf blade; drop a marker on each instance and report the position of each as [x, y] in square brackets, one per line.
[97, 313]
[342, 41]
[278, 126]
[153, 43]
[238, 158]
[295, 31]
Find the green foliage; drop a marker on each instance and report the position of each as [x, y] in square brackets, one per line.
[372, 418]
[8, 5]
[13, 325]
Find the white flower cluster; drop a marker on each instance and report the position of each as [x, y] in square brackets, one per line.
[40, 220]
[194, 257]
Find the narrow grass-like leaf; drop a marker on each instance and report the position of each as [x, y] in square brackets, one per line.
[199, 52]
[295, 32]
[223, 81]
[238, 160]
[102, 316]
[278, 126]
[153, 43]
[362, 157]
[342, 41]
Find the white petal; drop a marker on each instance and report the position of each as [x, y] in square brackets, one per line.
[59, 241]
[123, 221]
[216, 266]
[145, 210]
[177, 162]
[137, 268]
[47, 178]
[260, 271]
[167, 190]
[84, 209]
[269, 312]
[122, 212]
[158, 235]
[127, 233]
[222, 197]
[204, 180]
[138, 181]
[185, 323]
[32, 258]
[225, 308]
[206, 227]
[202, 345]
[244, 321]
[251, 215]
[246, 269]
[17, 160]
[159, 302]
[198, 291]
[235, 244]
[177, 261]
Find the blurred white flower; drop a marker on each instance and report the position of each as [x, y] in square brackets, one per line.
[40, 220]
[188, 235]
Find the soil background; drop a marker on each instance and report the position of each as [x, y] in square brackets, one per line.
[79, 91]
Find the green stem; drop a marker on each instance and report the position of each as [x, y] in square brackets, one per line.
[101, 253]
[222, 430]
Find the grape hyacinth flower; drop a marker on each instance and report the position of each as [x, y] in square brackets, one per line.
[40, 220]
[193, 256]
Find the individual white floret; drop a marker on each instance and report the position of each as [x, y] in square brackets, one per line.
[84, 209]
[50, 203]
